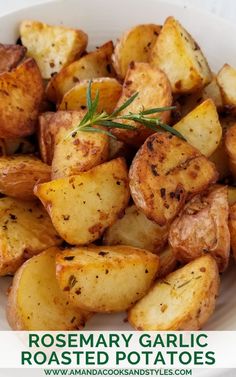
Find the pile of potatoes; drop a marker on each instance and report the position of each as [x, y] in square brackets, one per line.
[142, 223]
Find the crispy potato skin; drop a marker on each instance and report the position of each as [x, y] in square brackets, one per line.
[10, 56]
[79, 151]
[53, 47]
[178, 55]
[45, 137]
[106, 278]
[100, 194]
[226, 79]
[25, 230]
[109, 93]
[145, 80]
[134, 229]
[165, 172]
[35, 301]
[184, 300]
[19, 174]
[230, 146]
[134, 45]
[21, 93]
[232, 228]
[95, 64]
[202, 227]
[201, 128]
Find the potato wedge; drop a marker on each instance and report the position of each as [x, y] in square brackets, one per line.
[35, 301]
[10, 56]
[78, 152]
[188, 102]
[154, 91]
[118, 148]
[19, 174]
[184, 300]
[106, 278]
[168, 262]
[95, 64]
[202, 227]
[46, 137]
[165, 172]
[25, 230]
[232, 228]
[178, 55]
[226, 79]
[19, 145]
[53, 47]
[201, 128]
[231, 195]
[134, 229]
[84, 205]
[109, 93]
[230, 146]
[134, 46]
[21, 92]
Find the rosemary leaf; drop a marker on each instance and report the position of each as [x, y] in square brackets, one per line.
[111, 124]
[157, 110]
[124, 105]
[99, 131]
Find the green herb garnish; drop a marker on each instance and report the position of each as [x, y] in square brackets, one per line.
[93, 118]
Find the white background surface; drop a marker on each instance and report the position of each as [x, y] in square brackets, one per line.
[223, 8]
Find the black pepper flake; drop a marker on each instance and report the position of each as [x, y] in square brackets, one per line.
[73, 320]
[150, 145]
[118, 183]
[106, 272]
[70, 257]
[12, 217]
[146, 271]
[83, 107]
[78, 291]
[103, 253]
[154, 170]
[66, 217]
[72, 281]
[163, 192]
[74, 134]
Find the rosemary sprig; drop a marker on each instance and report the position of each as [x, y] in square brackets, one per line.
[93, 118]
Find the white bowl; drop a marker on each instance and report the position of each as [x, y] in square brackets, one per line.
[104, 20]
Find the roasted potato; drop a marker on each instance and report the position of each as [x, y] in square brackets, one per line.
[25, 230]
[19, 145]
[10, 56]
[53, 47]
[178, 55]
[226, 79]
[118, 148]
[95, 64]
[84, 205]
[232, 228]
[35, 301]
[183, 300]
[154, 91]
[168, 262]
[21, 92]
[134, 229]
[106, 278]
[79, 151]
[230, 146]
[19, 174]
[134, 46]
[109, 92]
[188, 102]
[201, 128]
[202, 227]
[46, 135]
[231, 195]
[165, 172]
